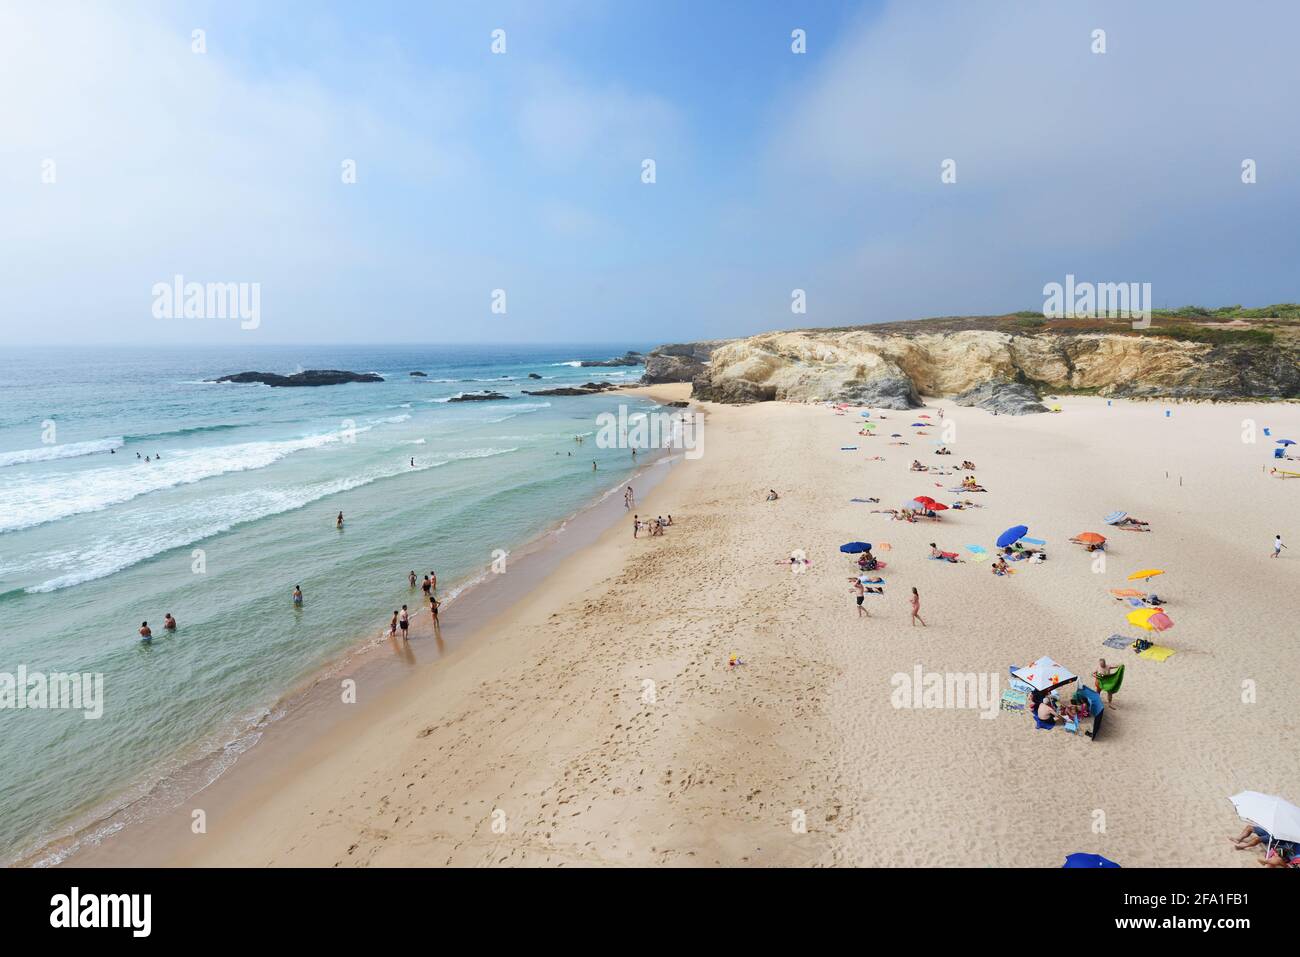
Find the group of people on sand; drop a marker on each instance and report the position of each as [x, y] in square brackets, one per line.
[146, 633]
[651, 526]
[968, 484]
[1276, 853]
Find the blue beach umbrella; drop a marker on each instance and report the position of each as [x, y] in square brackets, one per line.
[1286, 442]
[855, 547]
[919, 424]
[1115, 517]
[1079, 859]
[1012, 535]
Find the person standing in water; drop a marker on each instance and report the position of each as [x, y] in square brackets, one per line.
[297, 595]
[411, 578]
[433, 582]
[338, 523]
[916, 609]
[593, 465]
[404, 622]
[145, 633]
[426, 587]
[392, 625]
[169, 623]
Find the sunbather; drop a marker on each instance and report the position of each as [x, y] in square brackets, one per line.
[1250, 836]
[935, 552]
[968, 465]
[1000, 567]
[918, 467]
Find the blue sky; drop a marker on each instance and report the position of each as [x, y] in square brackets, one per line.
[521, 171]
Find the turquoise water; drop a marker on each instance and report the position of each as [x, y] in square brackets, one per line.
[93, 542]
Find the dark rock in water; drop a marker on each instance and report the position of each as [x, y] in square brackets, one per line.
[422, 375]
[680, 405]
[627, 359]
[477, 397]
[883, 392]
[533, 375]
[310, 377]
[590, 388]
[1003, 397]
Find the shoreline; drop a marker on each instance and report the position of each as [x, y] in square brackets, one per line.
[376, 663]
[598, 721]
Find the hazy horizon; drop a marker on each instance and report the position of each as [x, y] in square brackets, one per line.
[138, 150]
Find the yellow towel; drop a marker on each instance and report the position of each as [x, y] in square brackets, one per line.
[1156, 653]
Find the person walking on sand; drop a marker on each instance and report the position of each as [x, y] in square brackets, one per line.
[859, 595]
[404, 622]
[636, 525]
[434, 605]
[1277, 545]
[916, 609]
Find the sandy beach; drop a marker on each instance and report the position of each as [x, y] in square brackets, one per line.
[597, 720]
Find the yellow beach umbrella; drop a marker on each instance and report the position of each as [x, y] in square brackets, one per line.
[1146, 574]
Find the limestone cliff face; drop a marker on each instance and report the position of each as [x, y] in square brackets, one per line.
[892, 370]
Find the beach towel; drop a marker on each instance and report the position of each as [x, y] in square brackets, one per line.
[848, 448]
[1118, 641]
[1013, 700]
[1034, 541]
[1042, 725]
[1015, 683]
[1110, 683]
[1156, 653]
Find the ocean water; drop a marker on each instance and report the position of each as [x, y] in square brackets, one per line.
[93, 541]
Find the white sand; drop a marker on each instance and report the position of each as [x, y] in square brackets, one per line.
[544, 717]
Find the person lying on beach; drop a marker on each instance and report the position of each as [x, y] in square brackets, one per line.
[968, 465]
[942, 451]
[771, 495]
[935, 552]
[1281, 854]
[918, 467]
[1250, 836]
[1132, 523]
[873, 586]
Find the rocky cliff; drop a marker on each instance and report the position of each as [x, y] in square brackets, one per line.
[1004, 363]
[679, 362]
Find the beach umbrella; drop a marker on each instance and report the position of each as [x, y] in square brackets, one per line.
[923, 416]
[1079, 859]
[1146, 574]
[1286, 442]
[925, 499]
[1115, 517]
[1012, 535]
[936, 506]
[1045, 674]
[914, 505]
[1279, 817]
[918, 425]
[895, 435]
[1090, 538]
[1150, 619]
[855, 547]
